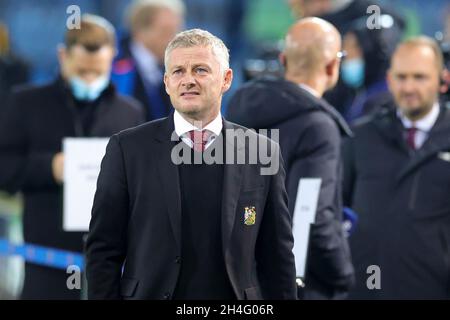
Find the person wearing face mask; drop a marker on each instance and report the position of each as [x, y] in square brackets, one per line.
[363, 71]
[81, 102]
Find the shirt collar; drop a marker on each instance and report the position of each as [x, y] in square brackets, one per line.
[146, 62]
[425, 124]
[309, 89]
[182, 126]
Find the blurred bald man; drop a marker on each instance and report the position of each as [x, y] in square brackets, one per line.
[310, 139]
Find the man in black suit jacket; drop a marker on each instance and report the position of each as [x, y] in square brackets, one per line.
[397, 180]
[161, 230]
[310, 142]
[79, 103]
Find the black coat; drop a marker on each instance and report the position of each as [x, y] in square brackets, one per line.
[310, 138]
[31, 133]
[136, 220]
[402, 199]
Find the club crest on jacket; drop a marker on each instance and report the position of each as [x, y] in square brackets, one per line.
[249, 216]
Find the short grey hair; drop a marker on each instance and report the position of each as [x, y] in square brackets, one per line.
[197, 37]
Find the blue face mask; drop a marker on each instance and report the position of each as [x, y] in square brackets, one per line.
[352, 72]
[88, 92]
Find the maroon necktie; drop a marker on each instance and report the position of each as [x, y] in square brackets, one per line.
[410, 137]
[199, 139]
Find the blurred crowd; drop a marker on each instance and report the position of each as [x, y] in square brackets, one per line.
[383, 97]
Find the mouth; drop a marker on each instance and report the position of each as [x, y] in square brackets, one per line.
[189, 94]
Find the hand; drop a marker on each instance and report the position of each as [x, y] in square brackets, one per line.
[58, 167]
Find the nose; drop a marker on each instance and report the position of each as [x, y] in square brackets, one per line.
[188, 80]
[408, 85]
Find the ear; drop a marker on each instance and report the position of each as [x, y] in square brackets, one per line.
[444, 81]
[165, 83]
[115, 52]
[62, 54]
[389, 78]
[63, 58]
[228, 79]
[282, 59]
[330, 67]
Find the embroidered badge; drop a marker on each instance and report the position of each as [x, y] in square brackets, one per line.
[249, 216]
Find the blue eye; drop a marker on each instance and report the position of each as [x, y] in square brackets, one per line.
[201, 70]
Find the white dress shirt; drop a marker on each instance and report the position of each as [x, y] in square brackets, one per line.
[146, 63]
[182, 127]
[423, 125]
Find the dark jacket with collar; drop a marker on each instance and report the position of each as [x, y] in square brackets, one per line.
[310, 142]
[31, 132]
[402, 199]
[136, 222]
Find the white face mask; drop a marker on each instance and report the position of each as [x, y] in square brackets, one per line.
[88, 92]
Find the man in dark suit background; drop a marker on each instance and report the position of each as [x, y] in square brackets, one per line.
[79, 103]
[310, 138]
[397, 180]
[190, 231]
[138, 70]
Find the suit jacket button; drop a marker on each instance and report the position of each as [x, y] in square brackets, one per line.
[178, 259]
[166, 296]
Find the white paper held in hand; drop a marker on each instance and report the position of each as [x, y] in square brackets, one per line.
[304, 215]
[82, 160]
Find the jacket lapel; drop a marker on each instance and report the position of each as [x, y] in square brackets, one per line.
[390, 127]
[437, 140]
[233, 176]
[169, 177]
[232, 180]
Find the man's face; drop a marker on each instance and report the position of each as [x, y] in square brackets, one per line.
[195, 82]
[165, 26]
[413, 80]
[88, 66]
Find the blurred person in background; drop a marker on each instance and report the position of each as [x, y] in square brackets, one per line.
[351, 17]
[310, 138]
[138, 71]
[343, 13]
[363, 71]
[396, 177]
[81, 102]
[13, 70]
